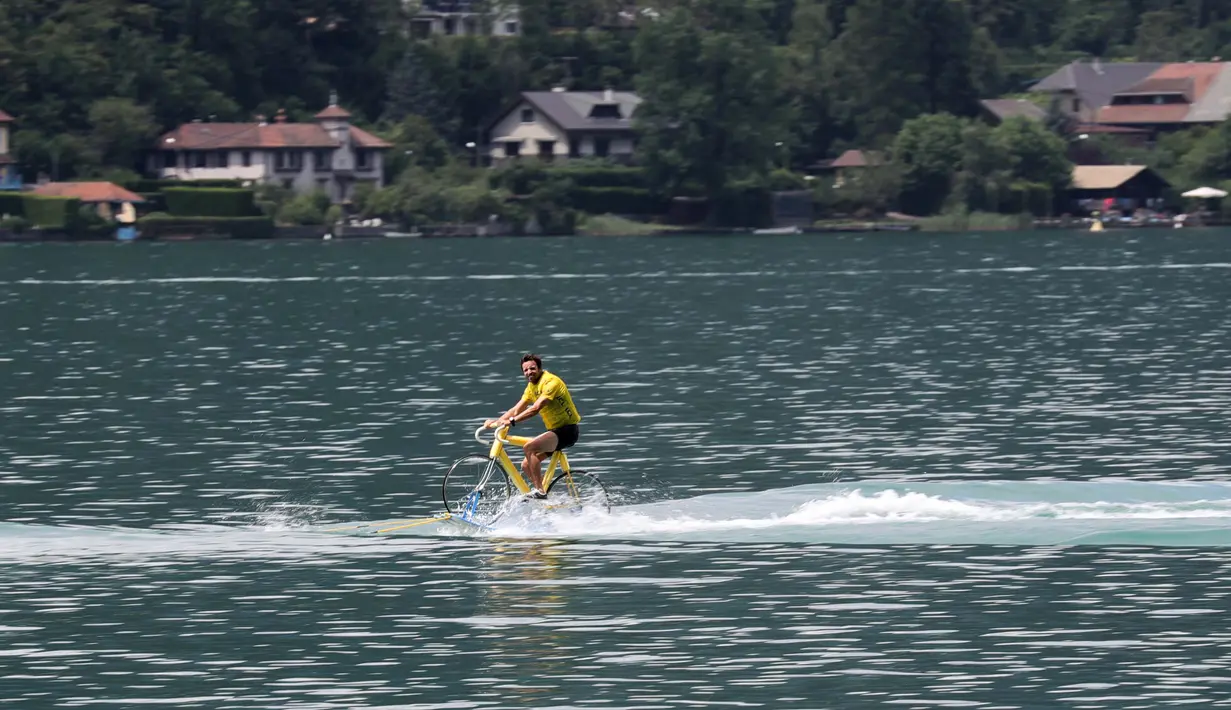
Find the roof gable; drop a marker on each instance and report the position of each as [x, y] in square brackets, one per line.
[850, 159]
[571, 110]
[1108, 177]
[1096, 82]
[87, 191]
[1008, 108]
[5, 118]
[260, 136]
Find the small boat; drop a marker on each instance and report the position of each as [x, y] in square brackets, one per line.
[778, 230]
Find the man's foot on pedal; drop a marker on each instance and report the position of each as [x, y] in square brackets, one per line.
[535, 495]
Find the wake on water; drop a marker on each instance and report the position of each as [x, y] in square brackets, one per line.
[1103, 512]
[1024, 513]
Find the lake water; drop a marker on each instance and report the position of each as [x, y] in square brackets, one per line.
[976, 471]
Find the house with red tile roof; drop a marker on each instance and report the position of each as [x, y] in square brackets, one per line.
[10, 179]
[329, 154]
[1143, 97]
[90, 193]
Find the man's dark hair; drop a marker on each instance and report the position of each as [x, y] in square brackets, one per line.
[531, 356]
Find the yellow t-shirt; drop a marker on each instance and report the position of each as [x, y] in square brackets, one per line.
[559, 409]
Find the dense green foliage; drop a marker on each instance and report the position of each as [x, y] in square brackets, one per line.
[159, 225]
[52, 212]
[210, 202]
[733, 88]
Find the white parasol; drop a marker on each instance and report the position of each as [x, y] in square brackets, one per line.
[1206, 192]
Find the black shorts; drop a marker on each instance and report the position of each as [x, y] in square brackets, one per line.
[567, 435]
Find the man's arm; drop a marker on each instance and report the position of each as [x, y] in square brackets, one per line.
[530, 411]
[507, 416]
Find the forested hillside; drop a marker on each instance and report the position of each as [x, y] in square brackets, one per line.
[91, 82]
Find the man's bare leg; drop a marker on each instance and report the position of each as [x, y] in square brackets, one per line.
[537, 451]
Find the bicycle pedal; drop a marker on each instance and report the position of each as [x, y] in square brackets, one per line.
[534, 495]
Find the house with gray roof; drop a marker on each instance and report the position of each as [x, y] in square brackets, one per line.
[1142, 98]
[559, 125]
[998, 110]
[1083, 88]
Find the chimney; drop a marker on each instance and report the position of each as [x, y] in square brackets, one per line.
[558, 89]
[1098, 66]
[608, 95]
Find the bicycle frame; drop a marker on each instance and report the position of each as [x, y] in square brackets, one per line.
[558, 461]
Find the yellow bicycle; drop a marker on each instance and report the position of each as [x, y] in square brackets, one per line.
[479, 489]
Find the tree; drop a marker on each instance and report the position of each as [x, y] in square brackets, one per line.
[928, 151]
[804, 83]
[1035, 161]
[414, 91]
[1210, 158]
[1034, 153]
[1161, 37]
[709, 83]
[121, 130]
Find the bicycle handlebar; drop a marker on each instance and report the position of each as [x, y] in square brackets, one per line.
[478, 435]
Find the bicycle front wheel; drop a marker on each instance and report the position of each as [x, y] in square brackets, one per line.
[577, 490]
[476, 487]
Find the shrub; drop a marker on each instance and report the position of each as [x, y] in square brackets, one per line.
[11, 204]
[158, 224]
[210, 202]
[51, 212]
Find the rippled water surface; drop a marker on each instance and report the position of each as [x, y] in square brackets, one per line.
[887, 470]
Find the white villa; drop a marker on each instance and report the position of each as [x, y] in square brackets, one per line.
[329, 155]
[465, 17]
[558, 125]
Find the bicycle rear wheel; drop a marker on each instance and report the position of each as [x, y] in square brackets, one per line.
[577, 490]
[476, 488]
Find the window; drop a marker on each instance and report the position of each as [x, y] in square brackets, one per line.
[605, 111]
[224, 159]
[602, 147]
[510, 28]
[1076, 105]
[288, 184]
[170, 159]
[512, 149]
[527, 115]
[289, 161]
[450, 26]
[574, 148]
[198, 158]
[363, 160]
[246, 158]
[547, 149]
[322, 161]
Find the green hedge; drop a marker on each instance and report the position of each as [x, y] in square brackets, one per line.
[159, 225]
[604, 176]
[210, 202]
[525, 176]
[154, 201]
[12, 204]
[146, 185]
[616, 200]
[51, 212]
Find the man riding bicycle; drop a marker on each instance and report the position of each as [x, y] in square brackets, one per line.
[545, 394]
